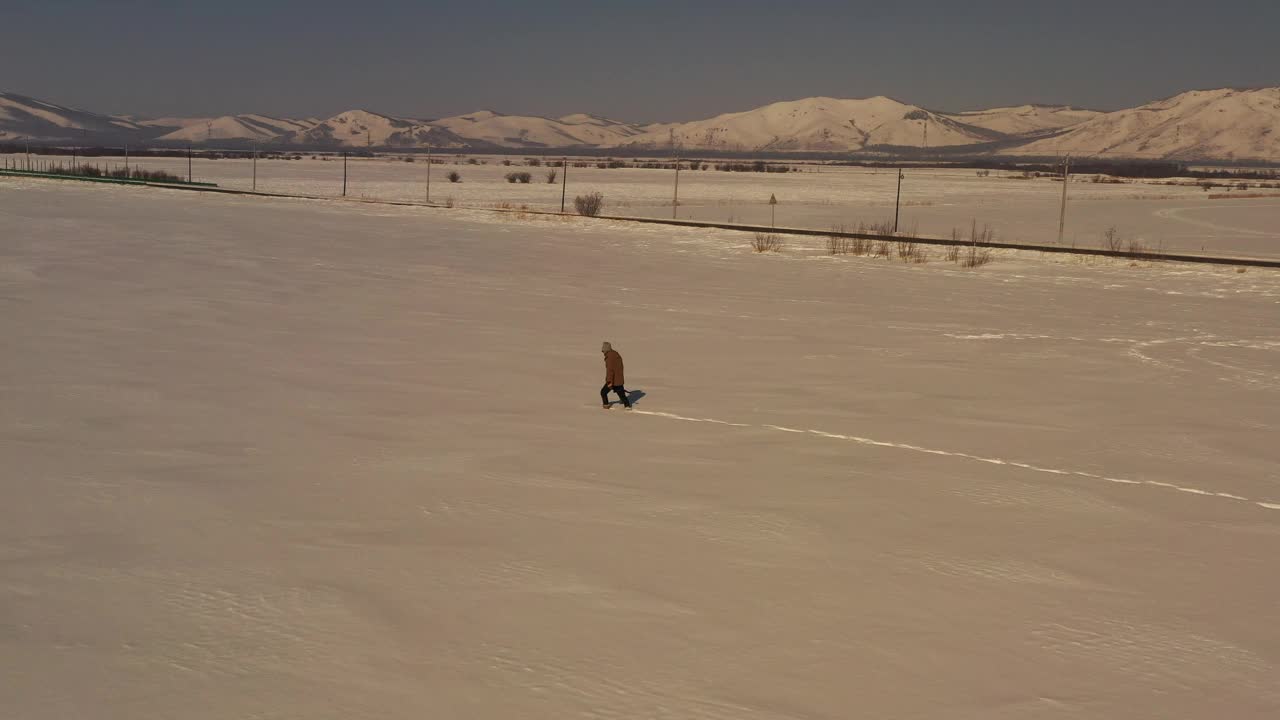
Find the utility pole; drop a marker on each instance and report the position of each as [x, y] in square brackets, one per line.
[773, 208]
[428, 171]
[188, 163]
[344, 173]
[897, 202]
[126, 162]
[255, 167]
[1062, 214]
[564, 181]
[675, 197]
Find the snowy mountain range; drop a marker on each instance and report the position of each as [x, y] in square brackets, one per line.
[1226, 124]
[818, 124]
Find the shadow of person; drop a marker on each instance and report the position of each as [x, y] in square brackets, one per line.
[633, 395]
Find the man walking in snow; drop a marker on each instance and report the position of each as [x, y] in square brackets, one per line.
[613, 377]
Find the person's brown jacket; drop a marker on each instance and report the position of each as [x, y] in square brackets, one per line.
[613, 368]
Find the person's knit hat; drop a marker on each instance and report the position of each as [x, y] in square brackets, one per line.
[605, 347]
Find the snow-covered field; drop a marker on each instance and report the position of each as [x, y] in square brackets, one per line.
[279, 458]
[934, 201]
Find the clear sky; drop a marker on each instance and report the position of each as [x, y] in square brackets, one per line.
[632, 60]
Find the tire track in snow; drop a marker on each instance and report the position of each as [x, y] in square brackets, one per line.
[974, 458]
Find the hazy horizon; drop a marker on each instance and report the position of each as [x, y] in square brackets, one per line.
[657, 63]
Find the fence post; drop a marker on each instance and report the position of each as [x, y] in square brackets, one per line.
[564, 181]
[344, 173]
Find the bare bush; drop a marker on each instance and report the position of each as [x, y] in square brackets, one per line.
[766, 242]
[976, 257]
[551, 176]
[953, 253]
[1137, 247]
[912, 252]
[985, 236]
[1111, 240]
[454, 176]
[883, 250]
[589, 204]
[520, 177]
[448, 202]
[881, 228]
[837, 243]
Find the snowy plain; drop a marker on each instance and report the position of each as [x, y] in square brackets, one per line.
[934, 201]
[280, 458]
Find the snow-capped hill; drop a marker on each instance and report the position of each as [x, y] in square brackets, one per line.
[1201, 124]
[27, 117]
[362, 128]
[236, 127]
[596, 130]
[169, 123]
[819, 124]
[1025, 119]
[526, 131]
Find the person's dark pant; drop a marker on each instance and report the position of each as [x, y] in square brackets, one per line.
[622, 394]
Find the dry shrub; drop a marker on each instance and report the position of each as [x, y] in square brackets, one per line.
[976, 257]
[520, 177]
[985, 236]
[454, 176]
[953, 253]
[1111, 239]
[448, 202]
[1137, 247]
[882, 249]
[766, 242]
[551, 176]
[837, 243]
[883, 228]
[589, 204]
[912, 252]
